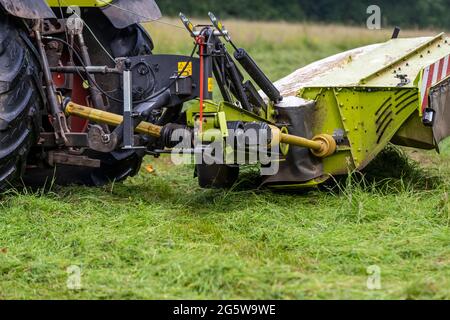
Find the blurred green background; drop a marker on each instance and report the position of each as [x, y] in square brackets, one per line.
[423, 13]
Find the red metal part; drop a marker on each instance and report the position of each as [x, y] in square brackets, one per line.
[201, 42]
[79, 95]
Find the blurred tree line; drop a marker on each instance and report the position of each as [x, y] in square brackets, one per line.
[404, 13]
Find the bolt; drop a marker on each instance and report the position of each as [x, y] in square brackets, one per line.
[106, 138]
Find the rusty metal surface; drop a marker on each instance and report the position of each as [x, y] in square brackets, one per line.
[60, 157]
[123, 13]
[29, 9]
[76, 140]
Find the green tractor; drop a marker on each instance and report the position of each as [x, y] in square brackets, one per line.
[83, 100]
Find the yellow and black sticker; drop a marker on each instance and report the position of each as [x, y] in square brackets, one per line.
[187, 69]
[191, 27]
[210, 84]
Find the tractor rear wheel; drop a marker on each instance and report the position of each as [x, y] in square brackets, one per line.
[20, 101]
[119, 165]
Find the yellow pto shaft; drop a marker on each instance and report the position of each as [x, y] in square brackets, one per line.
[321, 146]
[109, 118]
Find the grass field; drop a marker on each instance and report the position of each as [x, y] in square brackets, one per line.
[159, 236]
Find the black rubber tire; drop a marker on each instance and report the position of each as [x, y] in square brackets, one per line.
[20, 102]
[217, 176]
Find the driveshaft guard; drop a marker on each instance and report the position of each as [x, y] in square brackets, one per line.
[300, 165]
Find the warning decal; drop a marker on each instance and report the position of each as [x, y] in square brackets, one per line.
[187, 72]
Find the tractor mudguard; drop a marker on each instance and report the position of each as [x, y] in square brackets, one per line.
[123, 13]
[28, 9]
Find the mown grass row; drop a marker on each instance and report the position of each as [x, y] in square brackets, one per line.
[159, 236]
